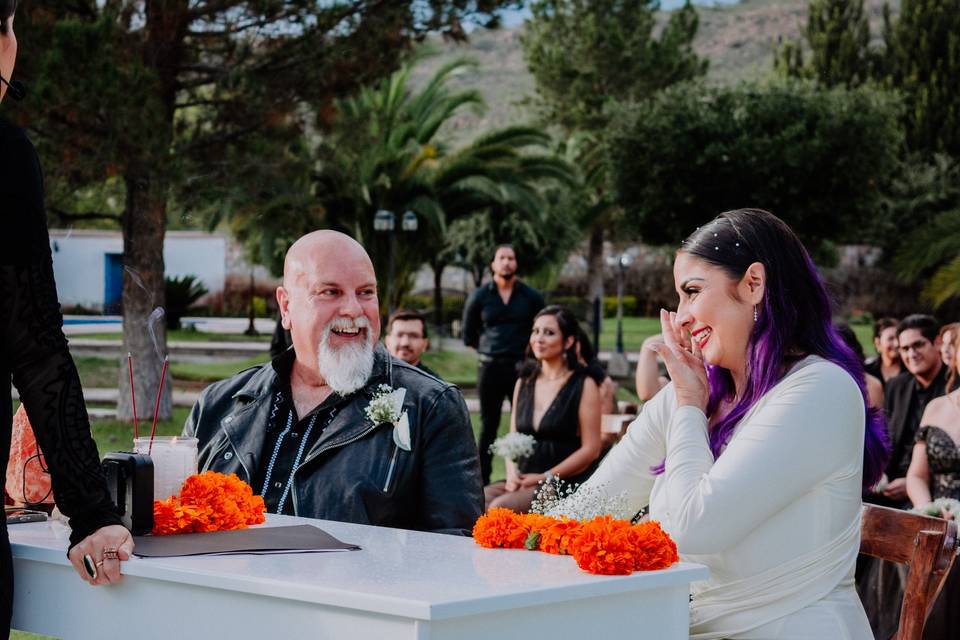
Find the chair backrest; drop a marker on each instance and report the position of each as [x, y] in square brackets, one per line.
[927, 545]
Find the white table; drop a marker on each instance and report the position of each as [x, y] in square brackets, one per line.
[402, 584]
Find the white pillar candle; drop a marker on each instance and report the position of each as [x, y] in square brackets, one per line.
[174, 460]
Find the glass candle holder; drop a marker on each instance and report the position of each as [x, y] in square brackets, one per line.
[174, 460]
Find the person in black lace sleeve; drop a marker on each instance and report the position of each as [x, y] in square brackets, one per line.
[33, 351]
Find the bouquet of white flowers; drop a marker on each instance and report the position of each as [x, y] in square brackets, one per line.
[560, 499]
[513, 446]
[939, 507]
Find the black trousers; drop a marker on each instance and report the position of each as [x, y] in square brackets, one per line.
[495, 381]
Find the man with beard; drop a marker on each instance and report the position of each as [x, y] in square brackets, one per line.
[299, 430]
[497, 321]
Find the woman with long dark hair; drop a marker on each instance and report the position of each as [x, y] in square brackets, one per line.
[555, 401]
[755, 456]
[33, 351]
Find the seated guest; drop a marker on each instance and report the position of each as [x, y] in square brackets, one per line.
[947, 351]
[648, 378]
[935, 473]
[906, 396]
[407, 338]
[874, 386]
[557, 403]
[298, 430]
[587, 356]
[754, 457]
[886, 364]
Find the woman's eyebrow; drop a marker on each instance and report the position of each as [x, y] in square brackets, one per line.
[683, 285]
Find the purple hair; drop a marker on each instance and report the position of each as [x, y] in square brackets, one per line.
[795, 320]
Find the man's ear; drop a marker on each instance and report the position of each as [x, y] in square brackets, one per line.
[283, 301]
[426, 344]
[753, 284]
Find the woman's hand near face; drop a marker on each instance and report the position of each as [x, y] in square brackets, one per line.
[684, 362]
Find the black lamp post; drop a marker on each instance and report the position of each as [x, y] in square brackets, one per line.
[619, 366]
[386, 222]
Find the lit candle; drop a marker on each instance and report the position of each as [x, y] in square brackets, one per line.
[174, 460]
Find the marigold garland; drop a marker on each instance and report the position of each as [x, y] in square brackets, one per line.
[208, 501]
[500, 528]
[602, 545]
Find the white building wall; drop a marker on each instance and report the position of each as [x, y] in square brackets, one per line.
[79, 261]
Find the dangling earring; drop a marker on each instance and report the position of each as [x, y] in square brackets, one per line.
[756, 314]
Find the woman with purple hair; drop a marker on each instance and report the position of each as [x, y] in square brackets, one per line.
[755, 456]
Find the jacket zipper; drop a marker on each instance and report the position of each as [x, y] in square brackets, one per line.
[393, 465]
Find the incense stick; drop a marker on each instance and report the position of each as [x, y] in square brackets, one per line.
[133, 397]
[156, 405]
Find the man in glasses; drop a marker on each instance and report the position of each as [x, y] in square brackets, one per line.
[907, 395]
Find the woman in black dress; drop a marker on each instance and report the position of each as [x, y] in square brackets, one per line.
[935, 473]
[33, 352]
[557, 403]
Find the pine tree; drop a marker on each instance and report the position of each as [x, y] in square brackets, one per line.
[922, 61]
[837, 34]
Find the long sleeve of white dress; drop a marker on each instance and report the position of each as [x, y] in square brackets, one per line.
[776, 517]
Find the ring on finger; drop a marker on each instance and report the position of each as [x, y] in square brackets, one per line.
[110, 554]
[89, 566]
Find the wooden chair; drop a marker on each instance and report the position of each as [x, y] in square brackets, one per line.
[927, 545]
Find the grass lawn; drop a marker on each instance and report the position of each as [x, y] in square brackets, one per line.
[457, 367]
[183, 335]
[635, 331]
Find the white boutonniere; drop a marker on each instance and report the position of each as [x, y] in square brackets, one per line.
[387, 406]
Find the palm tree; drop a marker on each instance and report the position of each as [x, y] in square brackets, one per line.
[388, 153]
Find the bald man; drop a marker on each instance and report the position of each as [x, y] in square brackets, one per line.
[298, 430]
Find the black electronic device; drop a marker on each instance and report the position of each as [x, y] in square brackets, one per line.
[130, 480]
[16, 515]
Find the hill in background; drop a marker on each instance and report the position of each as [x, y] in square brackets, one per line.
[739, 40]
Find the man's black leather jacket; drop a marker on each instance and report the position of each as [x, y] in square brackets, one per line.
[346, 475]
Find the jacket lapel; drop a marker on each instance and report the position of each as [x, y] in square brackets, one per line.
[246, 424]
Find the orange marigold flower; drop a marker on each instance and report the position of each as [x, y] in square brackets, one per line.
[500, 528]
[653, 548]
[604, 546]
[209, 501]
[558, 537]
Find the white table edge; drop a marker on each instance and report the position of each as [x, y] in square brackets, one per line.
[680, 573]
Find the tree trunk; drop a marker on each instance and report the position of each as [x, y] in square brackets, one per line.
[595, 274]
[438, 268]
[144, 328]
[145, 221]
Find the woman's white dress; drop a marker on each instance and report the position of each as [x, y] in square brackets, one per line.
[776, 518]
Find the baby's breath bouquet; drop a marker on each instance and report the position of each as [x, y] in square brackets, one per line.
[513, 446]
[939, 507]
[560, 499]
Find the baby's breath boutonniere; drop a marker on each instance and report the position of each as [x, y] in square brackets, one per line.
[387, 406]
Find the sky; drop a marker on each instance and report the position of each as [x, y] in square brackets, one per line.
[516, 17]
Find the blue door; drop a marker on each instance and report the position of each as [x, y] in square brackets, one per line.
[113, 283]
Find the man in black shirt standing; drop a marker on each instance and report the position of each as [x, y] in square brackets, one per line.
[497, 321]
